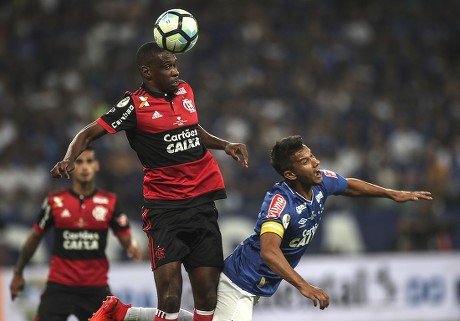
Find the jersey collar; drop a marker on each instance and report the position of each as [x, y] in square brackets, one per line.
[156, 94]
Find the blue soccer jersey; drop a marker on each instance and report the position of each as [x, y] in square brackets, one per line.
[291, 216]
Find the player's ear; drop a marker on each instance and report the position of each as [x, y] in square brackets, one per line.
[146, 72]
[96, 165]
[290, 175]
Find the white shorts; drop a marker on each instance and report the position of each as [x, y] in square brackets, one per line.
[233, 303]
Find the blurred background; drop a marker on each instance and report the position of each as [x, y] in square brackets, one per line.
[372, 86]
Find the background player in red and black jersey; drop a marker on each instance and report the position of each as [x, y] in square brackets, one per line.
[182, 179]
[78, 271]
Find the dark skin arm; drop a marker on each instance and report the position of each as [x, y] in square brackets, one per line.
[236, 150]
[79, 143]
[359, 188]
[28, 250]
[272, 255]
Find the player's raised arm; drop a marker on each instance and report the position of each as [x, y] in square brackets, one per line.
[360, 188]
[79, 143]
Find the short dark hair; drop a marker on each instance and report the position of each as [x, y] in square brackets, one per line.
[280, 155]
[146, 53]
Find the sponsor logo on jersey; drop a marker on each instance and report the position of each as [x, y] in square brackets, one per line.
[123, 102]
[300, 208]
[156, 115]
[307, 236]
[80, 240]
[100, 213]
[100, 200]
[276, 206]
[184, 140]
[57, 202]
[188, 105]
[329, 173]
[180, 91]
[180, 121]
[123, 117]
[144, 101]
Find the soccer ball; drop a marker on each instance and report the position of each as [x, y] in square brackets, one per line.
[176, 30]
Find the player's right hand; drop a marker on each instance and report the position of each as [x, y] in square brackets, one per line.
[16, 285]
[62, 169]
[316, 295]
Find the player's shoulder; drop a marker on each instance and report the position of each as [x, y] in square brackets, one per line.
[329, 174]
[58, 192]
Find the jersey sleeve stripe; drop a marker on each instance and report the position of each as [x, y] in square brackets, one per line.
[272, 227]
[101, 122]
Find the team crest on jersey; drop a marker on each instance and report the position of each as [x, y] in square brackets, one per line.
[276, 207]
[180, 91]
[329, 174]
[144, 101]
[188, 104]
[100, 213]
[123, 102]
[319, 196]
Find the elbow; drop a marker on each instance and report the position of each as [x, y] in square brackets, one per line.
[266, 256]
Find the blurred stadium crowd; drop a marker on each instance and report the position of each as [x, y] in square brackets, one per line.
[372, 86]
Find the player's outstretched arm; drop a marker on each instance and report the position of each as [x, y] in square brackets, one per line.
[79, 143]
[237, 151]
[273, 256]
[359, 188]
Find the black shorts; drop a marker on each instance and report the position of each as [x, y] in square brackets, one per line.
[190, 236]
[60, 301]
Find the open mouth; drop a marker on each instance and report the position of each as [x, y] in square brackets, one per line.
[317, 173]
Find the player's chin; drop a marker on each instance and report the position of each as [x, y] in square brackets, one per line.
[318, 179]
[173, 86]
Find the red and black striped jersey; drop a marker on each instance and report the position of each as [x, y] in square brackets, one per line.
[163, 130]
[80, 235]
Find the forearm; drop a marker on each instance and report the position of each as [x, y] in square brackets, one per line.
[211, 141]
[359, 188]
[28, 250]
[126, 241]
[278, 264]
[80, 142]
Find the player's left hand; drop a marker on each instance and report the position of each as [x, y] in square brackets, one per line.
[235, 149]
[134, 252]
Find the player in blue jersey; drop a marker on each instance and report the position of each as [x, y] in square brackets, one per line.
[289, 217]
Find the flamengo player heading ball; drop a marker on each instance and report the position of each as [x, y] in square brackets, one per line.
[176, 30]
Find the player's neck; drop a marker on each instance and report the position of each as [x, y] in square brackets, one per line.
[84, 189]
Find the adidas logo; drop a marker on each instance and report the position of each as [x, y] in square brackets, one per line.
[156, 115]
